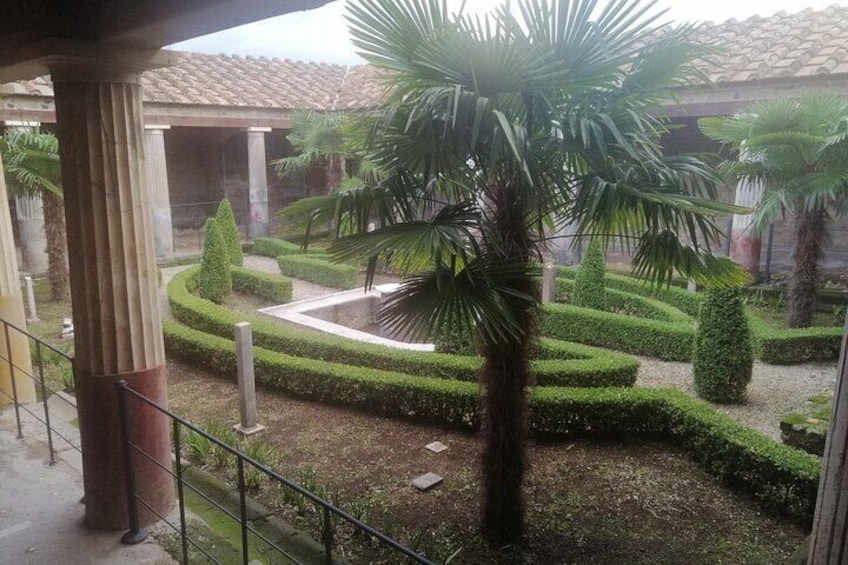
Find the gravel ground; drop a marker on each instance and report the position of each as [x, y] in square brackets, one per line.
[775, 390]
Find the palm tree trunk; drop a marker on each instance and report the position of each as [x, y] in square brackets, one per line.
[810, 237]
[505, 376]
[57, 246]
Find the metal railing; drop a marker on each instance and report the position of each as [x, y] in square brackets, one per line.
[34, 369]
[327, 511]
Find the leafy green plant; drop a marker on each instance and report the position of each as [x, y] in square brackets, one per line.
[589, 286]
[215, 281]
[230, 232]
[723, 356]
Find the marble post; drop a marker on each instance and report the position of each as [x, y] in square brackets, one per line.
[117, 325]
[745, 245]
[249, 424]
[257, 181]
[160, 195]
[12, 311]
[830, 526]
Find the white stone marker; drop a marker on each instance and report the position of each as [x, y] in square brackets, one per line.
[548, 282]
[30, 300]
[692, 286]
[436, 447]
[246, 381]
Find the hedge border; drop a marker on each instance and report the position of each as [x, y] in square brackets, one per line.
[319, 271]
[267, 286]
[783, 479]
[272, 247]
[561, 364]
[778, 346]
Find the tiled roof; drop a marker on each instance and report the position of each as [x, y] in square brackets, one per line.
[783, 46]
[796, 45]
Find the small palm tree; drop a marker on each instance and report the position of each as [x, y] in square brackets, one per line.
[492, 128]
[798, 150]
[31, 163]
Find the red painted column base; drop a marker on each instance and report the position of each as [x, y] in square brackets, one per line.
[745, 250]
[102, 453]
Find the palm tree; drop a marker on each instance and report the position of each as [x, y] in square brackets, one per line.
[491, 128]
[320, 140]
[798, 150]
[31, 163]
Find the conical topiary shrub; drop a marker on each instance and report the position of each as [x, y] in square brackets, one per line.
[215, 281]
[589, 282]
[723, 356]
[229, 231]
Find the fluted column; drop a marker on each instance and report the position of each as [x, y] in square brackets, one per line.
[117, 325]
[257, 164]
[160, 195]
[829, 541]
[745, 245]
[12, 311]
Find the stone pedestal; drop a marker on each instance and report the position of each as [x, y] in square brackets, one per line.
[30, 213]
[257, 164]
[12, 311]
[117, 325]
[745, 245]
[160, 194]
[830, 526]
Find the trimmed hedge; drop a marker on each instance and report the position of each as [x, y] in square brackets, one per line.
[778, 346]
[273, 288]
[723, 356]
[230, 232]
[319, 271]
[783, 479]
[641, 336]
[271, 247]
[635, 304]
[556, 363]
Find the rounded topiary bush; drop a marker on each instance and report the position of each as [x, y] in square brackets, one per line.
[215, 281]
[723, 355]
[229, 231]
[589, 282]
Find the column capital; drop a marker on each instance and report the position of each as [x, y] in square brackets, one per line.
[156, 128]
[257, 129]
[21, 124]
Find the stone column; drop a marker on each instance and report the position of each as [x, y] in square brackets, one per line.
[745, 245]
[160, 195]
[830, 526]
[117, 325]
[12, 311]
[30, 216]
[564, 245]
[257, 164]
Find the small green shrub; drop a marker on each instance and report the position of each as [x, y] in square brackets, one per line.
[273, 288]
[318, 271]
[723, 355]
[215, 281]
[589, 287]
[271, 247]
[230, 232]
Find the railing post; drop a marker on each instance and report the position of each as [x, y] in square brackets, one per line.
[245, 553]
[40, 360]
[136, 534]
[12, 379]
[328, 537]
[180, 496]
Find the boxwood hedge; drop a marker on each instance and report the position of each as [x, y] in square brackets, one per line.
[778, 346]
[273, 288]
[782, 478]
[271, 247]
[319, 271]
[564, 364]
